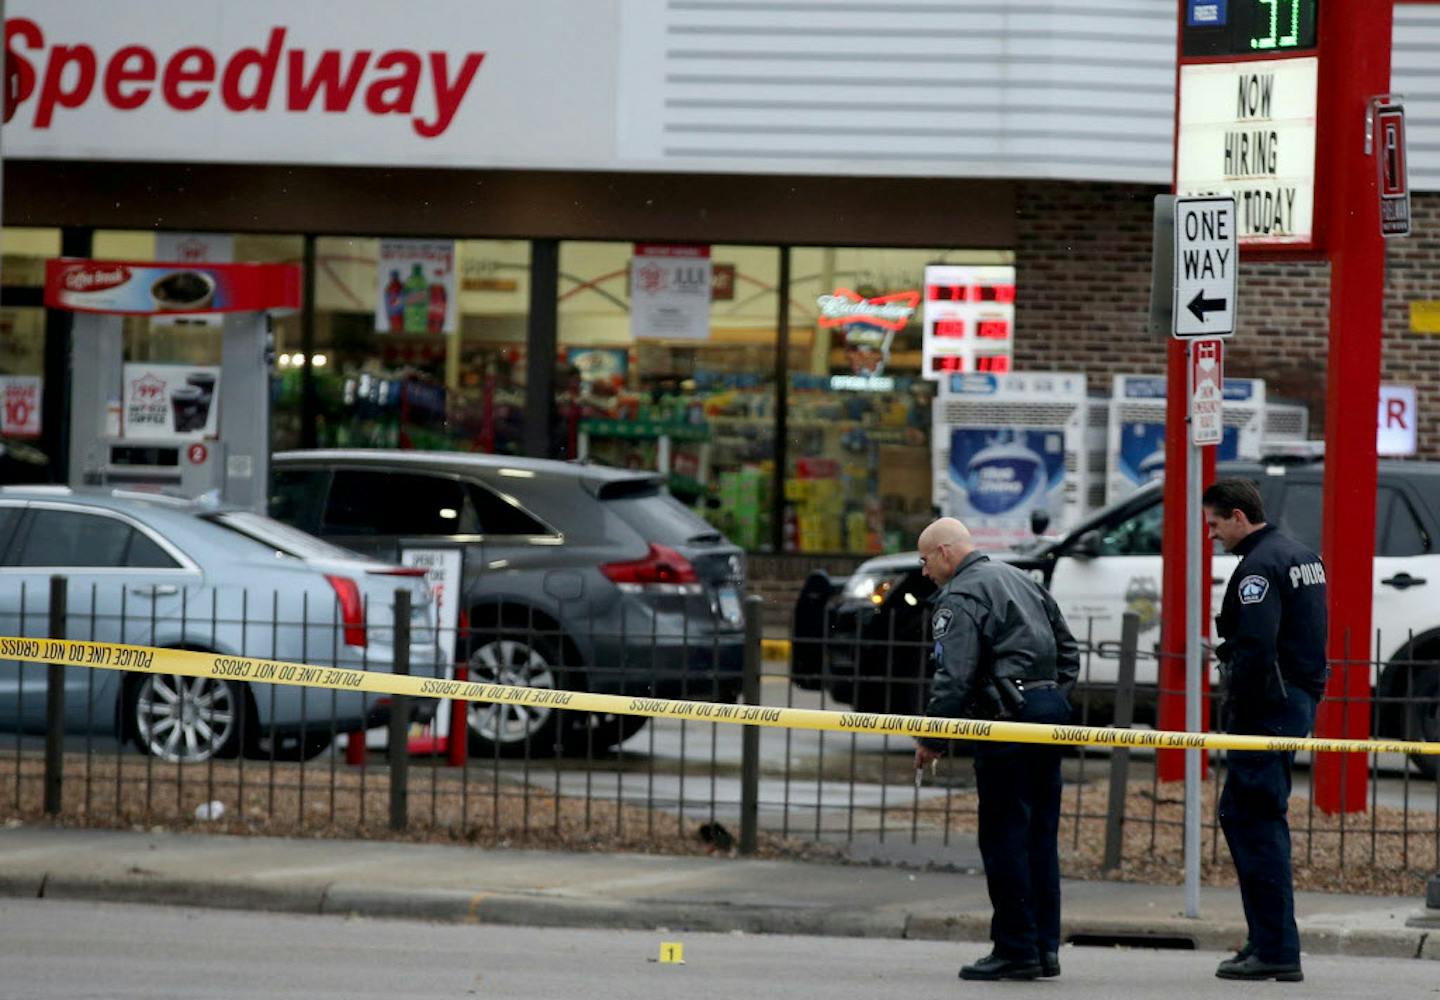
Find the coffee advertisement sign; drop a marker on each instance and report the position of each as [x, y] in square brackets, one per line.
[171, 402]
[146, 288]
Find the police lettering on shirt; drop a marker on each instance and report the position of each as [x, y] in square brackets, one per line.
[1307, 575]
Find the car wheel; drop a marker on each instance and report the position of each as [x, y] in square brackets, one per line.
[600, 732]
[291, 747]
[514, 730]
[1423, 715]
[186, 719]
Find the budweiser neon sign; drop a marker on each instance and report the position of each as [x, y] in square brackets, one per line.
[890, 312]
[60, 76]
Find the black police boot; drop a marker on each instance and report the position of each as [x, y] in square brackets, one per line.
[1239, 958]
[1252, 968]
[1049, 964]
[992, 966]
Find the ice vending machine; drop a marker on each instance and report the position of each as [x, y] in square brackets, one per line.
[1007, 446]
[1137, 429]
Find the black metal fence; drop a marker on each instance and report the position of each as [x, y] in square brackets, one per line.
[98, 747]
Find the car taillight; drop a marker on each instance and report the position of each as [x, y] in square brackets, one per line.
[662, 571]
[352, 610]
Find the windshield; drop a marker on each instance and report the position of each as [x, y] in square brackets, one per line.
[280, 537]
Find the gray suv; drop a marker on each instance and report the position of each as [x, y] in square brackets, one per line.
[575, 576]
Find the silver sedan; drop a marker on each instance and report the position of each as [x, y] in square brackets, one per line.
[152, 571]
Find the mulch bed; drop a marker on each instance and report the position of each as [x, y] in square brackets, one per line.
[1384, 851]
[316, 800]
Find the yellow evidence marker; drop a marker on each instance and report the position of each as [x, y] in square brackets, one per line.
[672, 953]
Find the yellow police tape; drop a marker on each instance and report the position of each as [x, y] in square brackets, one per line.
[145, 659]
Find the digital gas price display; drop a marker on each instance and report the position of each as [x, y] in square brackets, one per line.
[1253, 28]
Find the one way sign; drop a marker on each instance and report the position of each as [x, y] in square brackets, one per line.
[1206, 260]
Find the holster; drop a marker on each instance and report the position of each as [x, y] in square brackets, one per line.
[997, 698]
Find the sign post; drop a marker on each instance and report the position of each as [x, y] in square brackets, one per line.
[1204, 268]
[1355, 68]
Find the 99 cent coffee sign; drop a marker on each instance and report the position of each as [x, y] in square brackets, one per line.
[171, 402]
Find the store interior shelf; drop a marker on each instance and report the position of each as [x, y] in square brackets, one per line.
[645, 430]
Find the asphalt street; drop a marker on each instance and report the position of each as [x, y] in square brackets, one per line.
[52, 949]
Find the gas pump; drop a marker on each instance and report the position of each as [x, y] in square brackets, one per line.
[186, 430]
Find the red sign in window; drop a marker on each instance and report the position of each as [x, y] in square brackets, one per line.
[992, 329]
[949, 328]
[992, 363]
[995, 293]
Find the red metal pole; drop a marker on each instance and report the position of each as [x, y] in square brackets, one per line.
[459, 746]
[355, 748]
[1171, 709]
[1354, 67]
[460, 710]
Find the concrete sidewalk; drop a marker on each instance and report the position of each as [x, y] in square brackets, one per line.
[557, 889]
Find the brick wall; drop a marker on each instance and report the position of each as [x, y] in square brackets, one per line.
[1082, 301]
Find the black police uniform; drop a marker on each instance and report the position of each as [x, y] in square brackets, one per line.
[990, 621]
[1273, 627]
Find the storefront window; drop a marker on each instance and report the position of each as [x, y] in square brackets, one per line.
[410, 384]
[858, 465]
[22, 354]
[696, 403]
[22, 328]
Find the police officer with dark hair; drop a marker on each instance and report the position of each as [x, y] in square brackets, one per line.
[1003, 651]
[1273, 630]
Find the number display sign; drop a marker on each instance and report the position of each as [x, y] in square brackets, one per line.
[1247, 27]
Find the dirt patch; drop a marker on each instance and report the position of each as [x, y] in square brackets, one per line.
[1382, 852]
[325, 799]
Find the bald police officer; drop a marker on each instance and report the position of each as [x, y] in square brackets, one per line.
[1002, 650]
[1273, 630]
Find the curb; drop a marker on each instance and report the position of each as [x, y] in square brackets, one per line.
[547, 910]
[1182, 934]
[219, 895]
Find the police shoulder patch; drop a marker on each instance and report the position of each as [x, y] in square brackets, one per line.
[940, 624]
[1252, 589]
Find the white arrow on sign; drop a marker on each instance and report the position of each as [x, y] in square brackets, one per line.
[1206, 263]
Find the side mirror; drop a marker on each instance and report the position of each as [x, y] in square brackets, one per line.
[1087, 546]
[1039, 521]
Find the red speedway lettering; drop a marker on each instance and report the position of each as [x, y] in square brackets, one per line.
[67, 76]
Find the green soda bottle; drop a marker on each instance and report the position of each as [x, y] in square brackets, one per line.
[417, 301]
